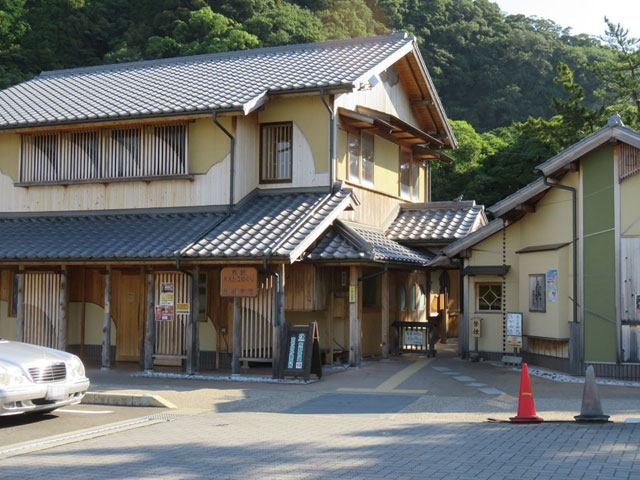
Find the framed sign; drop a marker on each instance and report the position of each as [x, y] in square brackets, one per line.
[415, 337]
[514, 329]
[239, 282]
[537, 294]
[301, 351]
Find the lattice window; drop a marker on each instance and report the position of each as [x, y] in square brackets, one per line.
[106, 154]
[628, 161]
[489, 297]
[276, 152]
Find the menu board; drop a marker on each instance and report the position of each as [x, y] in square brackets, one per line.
[301, 351]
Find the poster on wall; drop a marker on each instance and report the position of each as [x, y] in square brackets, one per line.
[552, 285]
[167, 294]
[514, 329]
[165, 313]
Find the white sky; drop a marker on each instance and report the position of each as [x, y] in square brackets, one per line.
[583, 16]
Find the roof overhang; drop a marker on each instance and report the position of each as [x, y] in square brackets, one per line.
[422, 145]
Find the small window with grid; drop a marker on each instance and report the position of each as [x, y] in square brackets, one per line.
[276, 152]
[489, 297]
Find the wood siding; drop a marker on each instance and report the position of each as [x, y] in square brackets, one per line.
[41, 313]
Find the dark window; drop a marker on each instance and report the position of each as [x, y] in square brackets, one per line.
[371, 292]
[276, 152]
[489, 297]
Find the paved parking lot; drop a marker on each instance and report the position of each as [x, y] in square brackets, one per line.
[407, 418]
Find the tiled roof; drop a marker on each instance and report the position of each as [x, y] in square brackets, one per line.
[225, 81]
[279, 225]
[86, 237]
[436, 222]
[359, 242]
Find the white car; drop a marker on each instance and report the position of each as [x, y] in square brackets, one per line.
[38, 379]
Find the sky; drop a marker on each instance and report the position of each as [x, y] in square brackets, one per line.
[583, 16]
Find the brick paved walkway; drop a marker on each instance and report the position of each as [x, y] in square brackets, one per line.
[243, 445]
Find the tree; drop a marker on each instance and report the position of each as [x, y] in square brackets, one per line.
[621, 73]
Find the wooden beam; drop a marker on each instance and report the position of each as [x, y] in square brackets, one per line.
[355, 343]
[329, 317]
[83, 312]
[278, 324]
[20, 307]
[385, 315]
[150, 326]
[62, 311]
[190, 337]
[237, 335]
[195, 315]
[525, 207]
[106, 325]
[424, 101]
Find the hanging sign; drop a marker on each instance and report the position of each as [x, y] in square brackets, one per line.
[239, 282]
[476, 324]
[514, 329]
[552, 285]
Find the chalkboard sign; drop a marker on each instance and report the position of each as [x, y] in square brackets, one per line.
[301, 351]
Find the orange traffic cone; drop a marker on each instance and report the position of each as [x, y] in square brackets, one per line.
[526, 407]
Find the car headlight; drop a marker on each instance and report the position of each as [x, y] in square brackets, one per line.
[76, 368]
[12, 376]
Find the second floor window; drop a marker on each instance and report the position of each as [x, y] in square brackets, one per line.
[361, 160]
[276, 152]
[104, 154]
[409, 177]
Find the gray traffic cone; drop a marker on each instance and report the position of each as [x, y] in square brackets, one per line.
[591, 410]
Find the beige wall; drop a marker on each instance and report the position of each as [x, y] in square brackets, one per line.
[7, 324]
[551, 223]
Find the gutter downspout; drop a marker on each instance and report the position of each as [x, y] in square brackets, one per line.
[575, 357]
[332, 127]
[232, 167]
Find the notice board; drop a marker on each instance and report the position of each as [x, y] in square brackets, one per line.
[301, 351]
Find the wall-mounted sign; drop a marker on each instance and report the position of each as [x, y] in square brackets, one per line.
[165, 313]
[239, 282]
[475, 327]
[514, 329]
[552, 285]
[352, 294]
[183, 308]
[167, 294]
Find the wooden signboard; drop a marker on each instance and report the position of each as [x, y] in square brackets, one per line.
[301, 352]
[239, 282]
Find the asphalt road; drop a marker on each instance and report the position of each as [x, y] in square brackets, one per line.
[34, 427]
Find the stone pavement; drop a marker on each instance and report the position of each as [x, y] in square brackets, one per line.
[409, 418]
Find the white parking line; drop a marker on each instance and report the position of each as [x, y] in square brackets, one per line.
[475, 384]
[491, 391]
[90, 412]
[463, 378]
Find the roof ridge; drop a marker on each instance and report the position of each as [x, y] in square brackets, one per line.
[221, 55]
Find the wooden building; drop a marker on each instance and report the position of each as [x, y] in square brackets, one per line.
[126, 189]
[581, 216]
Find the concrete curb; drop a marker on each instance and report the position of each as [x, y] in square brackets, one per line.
[126, 400]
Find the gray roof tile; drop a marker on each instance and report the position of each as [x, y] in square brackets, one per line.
[360, 242]
[436, 222]
[86, 237]
[202, 83]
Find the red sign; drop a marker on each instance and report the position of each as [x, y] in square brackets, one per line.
[239, 282]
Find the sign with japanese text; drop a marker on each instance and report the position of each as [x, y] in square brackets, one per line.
[475, 327]
[183, 308]
[165, 313]
[239, 282]
[167, 294]
[552, 285]
[514, 329]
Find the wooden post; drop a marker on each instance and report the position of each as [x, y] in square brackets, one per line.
[195, 315]
[106, 326]
[20, 307]
[237, 335]
[193, 291]
[150, 327]
[329, 317]
[62, 312]
[83, 312]
[355, 342]
[385, 315]
[278, 323]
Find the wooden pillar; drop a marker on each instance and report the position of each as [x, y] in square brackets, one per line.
[329, 318]
[278, 323]
[62, 311]
[355, 340]
[106, 325]
[20, 307]
[150, 327]
[193, 318]
[195, 315]
[83, 312]
[237, 335]
[385, 315]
